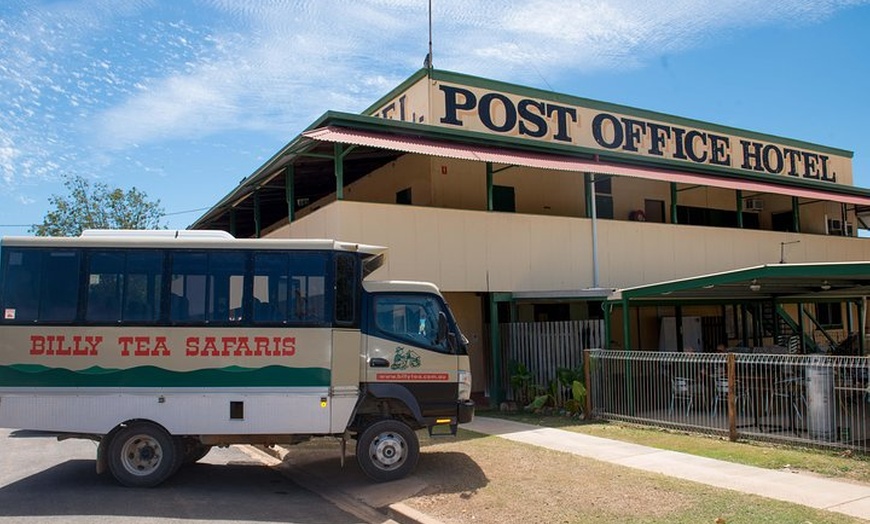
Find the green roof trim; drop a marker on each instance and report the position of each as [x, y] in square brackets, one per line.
[847, 275]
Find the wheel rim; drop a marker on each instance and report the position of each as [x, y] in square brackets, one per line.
[388, 451]
[141, 455]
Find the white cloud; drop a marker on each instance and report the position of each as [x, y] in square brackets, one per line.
[115, 75]
[604, 34]
[8, 157]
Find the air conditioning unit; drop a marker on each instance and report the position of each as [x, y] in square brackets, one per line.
[850, 229]
[753, 204]
[835, 225]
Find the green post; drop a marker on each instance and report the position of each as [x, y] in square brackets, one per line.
[673, 202]
[626, 333]
[587, 185]
[495, 347]
[796, 214]
[740, 209]
[489, 182]
[289, 192]
[339, 171]
[861, 324]
[626, 325]
[800, 308]
[257, 213]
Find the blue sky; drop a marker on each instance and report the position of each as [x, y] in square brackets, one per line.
[183, 99]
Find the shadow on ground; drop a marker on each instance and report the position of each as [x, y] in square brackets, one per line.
[437, 472]
[241, 490]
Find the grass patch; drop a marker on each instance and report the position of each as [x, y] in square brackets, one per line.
[835, 464]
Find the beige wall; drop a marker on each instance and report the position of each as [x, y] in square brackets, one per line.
[383, 184]
[463, 250]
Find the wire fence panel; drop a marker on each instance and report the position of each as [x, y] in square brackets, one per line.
[818, 400]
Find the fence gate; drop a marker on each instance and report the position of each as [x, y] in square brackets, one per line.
[543, 347]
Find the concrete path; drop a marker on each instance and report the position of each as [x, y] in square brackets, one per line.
[812, 491]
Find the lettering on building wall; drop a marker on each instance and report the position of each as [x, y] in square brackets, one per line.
[546, 120]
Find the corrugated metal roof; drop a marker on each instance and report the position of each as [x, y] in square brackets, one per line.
[425, 146]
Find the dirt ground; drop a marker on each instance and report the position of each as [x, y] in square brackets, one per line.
[477, 479]
[473, 478]
[496, 481]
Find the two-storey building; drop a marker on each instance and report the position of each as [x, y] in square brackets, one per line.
[525, 205]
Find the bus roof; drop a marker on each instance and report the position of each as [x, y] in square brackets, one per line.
[187, 239]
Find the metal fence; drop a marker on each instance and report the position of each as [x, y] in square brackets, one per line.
[544, 347]
[817, 400]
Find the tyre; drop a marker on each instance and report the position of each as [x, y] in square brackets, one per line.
[143, 455]
[387, 450]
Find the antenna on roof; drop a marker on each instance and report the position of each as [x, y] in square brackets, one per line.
[427, 62]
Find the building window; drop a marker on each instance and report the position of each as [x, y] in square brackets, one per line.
[702, 216]
[829, 314]
[504, 199]
[404, 196]
[782, 221]
[654, 210]
[604, 198]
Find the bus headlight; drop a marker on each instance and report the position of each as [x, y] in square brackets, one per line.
[464, 385]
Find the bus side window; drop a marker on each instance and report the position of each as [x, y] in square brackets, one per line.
[59, 290]
[188, 284]
[21, 293]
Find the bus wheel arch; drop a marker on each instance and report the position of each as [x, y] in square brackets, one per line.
[388, 401]
[140, 453]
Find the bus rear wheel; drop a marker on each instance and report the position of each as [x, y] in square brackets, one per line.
[142, 455]
[387, 450]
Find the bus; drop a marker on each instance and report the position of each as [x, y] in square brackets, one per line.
[162, 344]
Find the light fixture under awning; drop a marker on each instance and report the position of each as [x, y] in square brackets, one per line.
[424, 146]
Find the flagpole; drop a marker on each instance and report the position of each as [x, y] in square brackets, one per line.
[430, 36]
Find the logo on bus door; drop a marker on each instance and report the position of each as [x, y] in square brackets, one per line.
[405, 358]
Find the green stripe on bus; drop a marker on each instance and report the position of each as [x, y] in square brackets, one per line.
[28, 375]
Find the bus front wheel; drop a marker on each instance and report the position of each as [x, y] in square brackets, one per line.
[142, 455]
[387, 450]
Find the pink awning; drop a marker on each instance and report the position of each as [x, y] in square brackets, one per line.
[487, 154]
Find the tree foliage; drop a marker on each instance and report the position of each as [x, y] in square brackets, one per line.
[97, 206]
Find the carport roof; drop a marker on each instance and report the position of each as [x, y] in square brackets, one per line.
[808, 282]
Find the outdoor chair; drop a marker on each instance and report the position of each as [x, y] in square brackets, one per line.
[790, 392]
[720, 395]
[682, 393]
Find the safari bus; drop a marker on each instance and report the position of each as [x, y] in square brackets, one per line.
[160, 345]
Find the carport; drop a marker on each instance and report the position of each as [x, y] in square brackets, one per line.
[751, 287]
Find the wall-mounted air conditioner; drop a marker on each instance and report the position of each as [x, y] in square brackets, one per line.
[835, 226]
[753, 204]
[850, 229]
